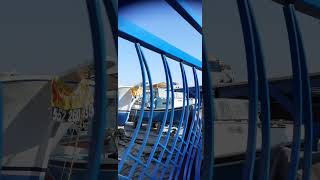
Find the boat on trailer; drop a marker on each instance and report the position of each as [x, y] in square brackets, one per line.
[130, 102]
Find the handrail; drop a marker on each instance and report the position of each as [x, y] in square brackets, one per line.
[100, 100]
[134, 33]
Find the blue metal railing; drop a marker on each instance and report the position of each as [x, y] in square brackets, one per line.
[176, 152]
[164, 164]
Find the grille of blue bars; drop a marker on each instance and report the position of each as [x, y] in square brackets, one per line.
[177, 149]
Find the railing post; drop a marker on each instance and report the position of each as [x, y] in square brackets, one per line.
[247, 30]
[297, 91]
[127, 152]
[146, 135]
[168, 160]
[188, 143]
[264, 98]
[164, 120]
[100, 100]
[198, 128]
[307, 103]
[167, 138]
[185, 122]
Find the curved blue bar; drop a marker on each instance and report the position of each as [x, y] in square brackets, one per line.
[307, 103]
[188, 139]
[264, 101]
[100, 100]
[146, 135]
[247, 30]
[164, 120]
[155, 170]
[126, 154]
[199, 153]
[173, 146]
[297, 93]
[192, 131]
[209, 111]
[198, 130]
[185, 122]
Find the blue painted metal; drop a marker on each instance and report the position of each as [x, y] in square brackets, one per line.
[134, 33]
[179, 145]
[185, 124]
[209, 111]
[189, 142]
[186, 12]
[196, 148]
[166, 141]
[264, 101]
[100, 100]
[307, 103]
[297, 94]
[168, 160]
[1, 127]
[146, 135]
[127, 152]
[247, 30]
[164, 120]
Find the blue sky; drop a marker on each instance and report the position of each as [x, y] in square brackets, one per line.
[160, 19]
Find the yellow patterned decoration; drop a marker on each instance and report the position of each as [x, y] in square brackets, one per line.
[66, 97]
